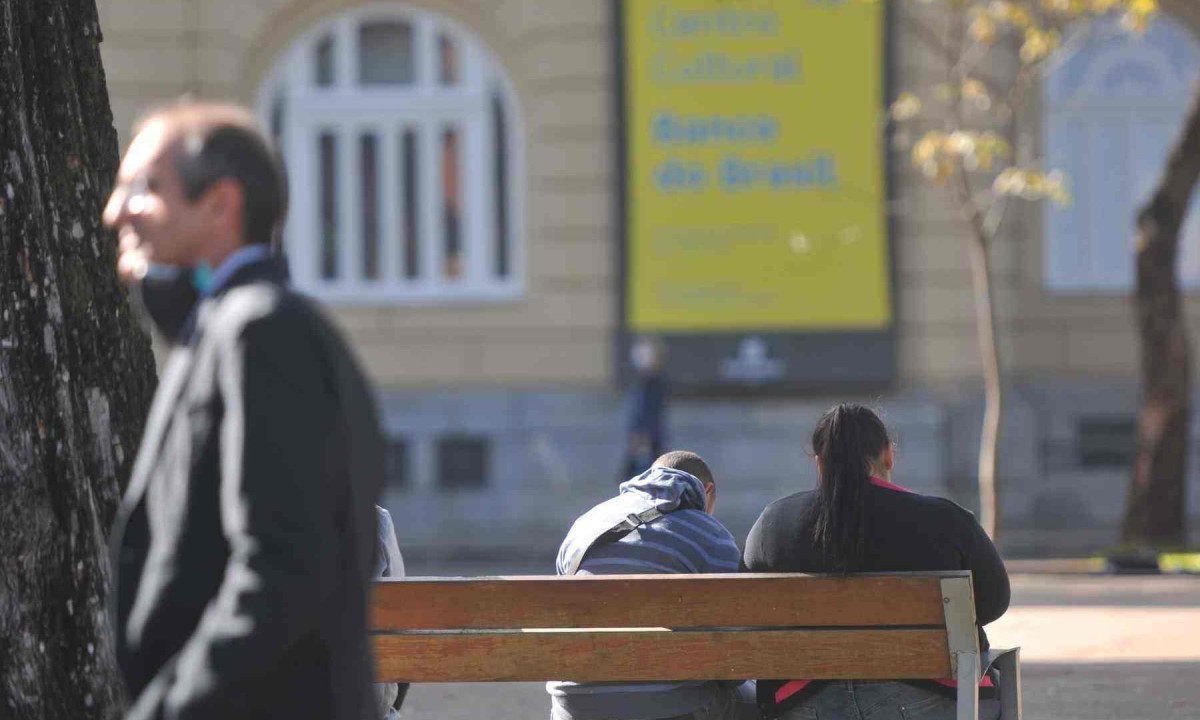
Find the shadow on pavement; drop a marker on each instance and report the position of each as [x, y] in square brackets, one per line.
[1099, 691]
[1112, 691]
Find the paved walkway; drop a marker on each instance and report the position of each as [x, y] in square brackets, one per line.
[1094, 648]
[1124, 648]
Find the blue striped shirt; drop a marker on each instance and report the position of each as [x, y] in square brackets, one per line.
[685, 540]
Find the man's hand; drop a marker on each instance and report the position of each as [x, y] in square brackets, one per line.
[132, 262]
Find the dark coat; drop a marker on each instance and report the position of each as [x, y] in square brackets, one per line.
[906, 532]
[244, 546]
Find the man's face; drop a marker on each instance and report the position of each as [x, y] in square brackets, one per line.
[154, 221]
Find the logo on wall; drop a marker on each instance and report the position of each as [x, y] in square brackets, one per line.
[753, 362]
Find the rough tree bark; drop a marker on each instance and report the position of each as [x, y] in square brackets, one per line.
[1155, 514]
[76, 374]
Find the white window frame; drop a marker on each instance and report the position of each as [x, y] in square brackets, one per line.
[349, 109]
[1098, 258]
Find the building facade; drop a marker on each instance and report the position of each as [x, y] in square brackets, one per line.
[454, 168]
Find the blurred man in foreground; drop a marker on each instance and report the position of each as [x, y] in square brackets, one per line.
[245, 543]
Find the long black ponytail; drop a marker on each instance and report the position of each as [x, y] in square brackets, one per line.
[847, 439]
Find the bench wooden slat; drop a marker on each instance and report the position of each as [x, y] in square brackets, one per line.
[645, 600]
[664, 655]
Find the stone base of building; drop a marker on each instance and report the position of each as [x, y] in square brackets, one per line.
[479, 476]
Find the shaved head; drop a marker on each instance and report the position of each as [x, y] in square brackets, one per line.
[687, 461]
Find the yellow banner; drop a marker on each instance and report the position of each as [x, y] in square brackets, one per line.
[755, 166]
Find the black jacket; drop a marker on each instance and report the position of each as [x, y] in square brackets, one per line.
[244, 545]
[906, 532]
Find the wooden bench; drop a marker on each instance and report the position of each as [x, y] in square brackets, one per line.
[686, 627]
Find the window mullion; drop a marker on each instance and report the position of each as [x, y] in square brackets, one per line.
[426, 54]
[1063, 266]
[345, 77]
[303, 227]
[349, 165]
[1115, 260]
[512, 168]
[1090, 248]
[473, 169]
[301, 67]
[473, 71]
[298, 145]
[390, 235]
[435, 184]
[432, 250]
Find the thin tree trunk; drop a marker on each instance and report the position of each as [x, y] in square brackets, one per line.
[989, 439]
[979, 245]
[1155, 514]
[75, 373]
[989, 354]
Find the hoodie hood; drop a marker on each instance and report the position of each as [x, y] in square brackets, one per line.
[663, 488]
[668, 489]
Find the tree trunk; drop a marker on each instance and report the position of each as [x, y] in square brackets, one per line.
[979, 246]
[989, 353]
[1155, 514]
[76, 374]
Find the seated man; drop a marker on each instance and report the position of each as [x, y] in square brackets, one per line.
[661, 522]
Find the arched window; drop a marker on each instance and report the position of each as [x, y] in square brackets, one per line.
[400, 134]
[1112, 111]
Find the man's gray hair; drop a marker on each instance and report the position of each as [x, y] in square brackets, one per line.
[214, 141]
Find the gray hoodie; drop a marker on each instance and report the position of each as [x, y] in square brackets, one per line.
[686, 539]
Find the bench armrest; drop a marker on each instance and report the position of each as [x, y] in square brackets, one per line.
[1008, 663]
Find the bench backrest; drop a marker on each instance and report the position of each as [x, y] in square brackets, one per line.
[672, 627]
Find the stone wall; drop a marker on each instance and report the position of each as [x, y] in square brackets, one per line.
[555, 454]
[536, 374]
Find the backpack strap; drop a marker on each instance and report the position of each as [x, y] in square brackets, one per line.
[632, 522]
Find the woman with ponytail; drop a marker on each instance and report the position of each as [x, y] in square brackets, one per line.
[857, 520]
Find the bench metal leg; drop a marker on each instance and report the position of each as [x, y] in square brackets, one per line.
[968, 686]
[1008, 662]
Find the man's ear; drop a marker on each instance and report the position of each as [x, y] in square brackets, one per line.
[889, 457]
[224, 203]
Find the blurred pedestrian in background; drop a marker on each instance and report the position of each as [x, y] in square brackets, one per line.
[646, 406]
